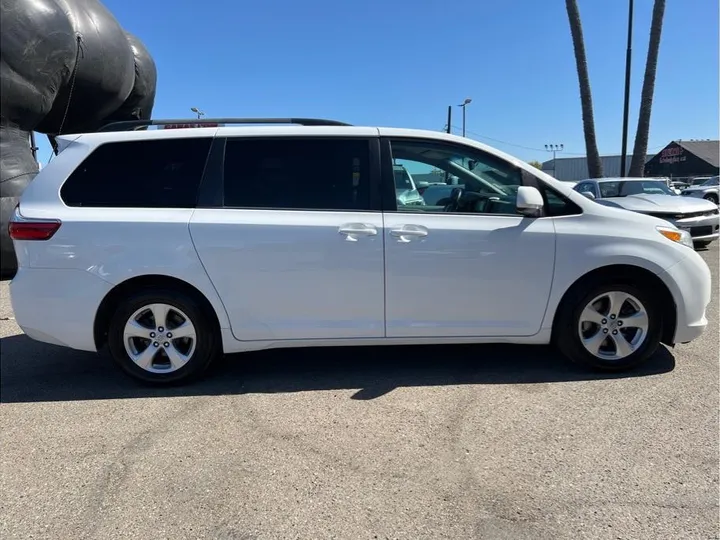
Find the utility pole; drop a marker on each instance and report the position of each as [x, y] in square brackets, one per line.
[554, 148]
[448, 130]
[464, 104]
[628, 60]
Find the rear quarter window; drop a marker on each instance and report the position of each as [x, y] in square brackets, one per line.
[297, 174]
[139, 174]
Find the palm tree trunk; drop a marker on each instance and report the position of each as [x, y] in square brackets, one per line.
[642, 135]
[595, 168]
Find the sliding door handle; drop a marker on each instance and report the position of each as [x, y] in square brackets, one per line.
[407, 233]
[354, 230]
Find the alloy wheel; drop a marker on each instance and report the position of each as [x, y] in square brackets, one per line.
[159, 338]
[613, 325]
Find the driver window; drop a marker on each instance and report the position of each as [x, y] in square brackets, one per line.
[445, 178]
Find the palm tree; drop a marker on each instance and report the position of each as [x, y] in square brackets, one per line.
[637, 165]
[593, 156]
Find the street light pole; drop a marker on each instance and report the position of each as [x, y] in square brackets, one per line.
[626, 107]
[554, 148]
[197, 111]
[33, 148]
[464, 104]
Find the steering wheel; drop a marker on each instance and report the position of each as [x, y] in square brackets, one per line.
[462, 200]
[455, 198]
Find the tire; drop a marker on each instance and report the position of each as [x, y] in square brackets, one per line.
[711, 197]
[568, 332]
[702, 243]
[191, 355]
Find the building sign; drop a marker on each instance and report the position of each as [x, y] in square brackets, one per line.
[675, 154]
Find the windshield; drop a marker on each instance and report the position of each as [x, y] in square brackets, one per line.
[714, 181]
[634, 187]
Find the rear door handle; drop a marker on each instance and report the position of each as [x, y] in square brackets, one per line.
[407, 233]
[353, 231]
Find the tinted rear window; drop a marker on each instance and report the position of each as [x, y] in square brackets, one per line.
[297, 174]
[139, 174]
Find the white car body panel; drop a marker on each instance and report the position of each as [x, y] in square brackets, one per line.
[581, 249]
[468, 276]
[69, 303]
[289, 278]
[292, 275]
[690, 284]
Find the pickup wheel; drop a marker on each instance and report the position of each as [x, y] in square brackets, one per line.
[162, 337]
[608, 326]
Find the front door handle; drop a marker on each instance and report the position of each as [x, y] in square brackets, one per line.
[353, 231]
[407, 233]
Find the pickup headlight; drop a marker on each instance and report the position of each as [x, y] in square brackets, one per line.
[677, 235]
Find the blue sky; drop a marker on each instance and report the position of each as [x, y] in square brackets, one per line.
[401, 63]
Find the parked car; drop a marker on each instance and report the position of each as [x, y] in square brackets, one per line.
[170, 247]
[709, 190]
[652, 197]
[698, 180]
[405, 189]
[422, 185]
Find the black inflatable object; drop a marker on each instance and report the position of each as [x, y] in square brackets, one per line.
[66, 66]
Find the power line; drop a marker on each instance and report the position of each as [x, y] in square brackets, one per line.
[530, 147]
[499, 141]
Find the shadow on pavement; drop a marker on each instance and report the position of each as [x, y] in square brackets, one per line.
[33, 371]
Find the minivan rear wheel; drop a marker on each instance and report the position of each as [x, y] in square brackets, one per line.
[162, 337]
[611, 326]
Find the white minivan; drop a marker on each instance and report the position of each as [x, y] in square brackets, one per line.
[171, 247]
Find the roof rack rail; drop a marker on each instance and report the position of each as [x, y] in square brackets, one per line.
[133, 125]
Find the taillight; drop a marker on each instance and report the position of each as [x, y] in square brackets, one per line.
[27, 229]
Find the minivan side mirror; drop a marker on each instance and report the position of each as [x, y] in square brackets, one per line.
[589, 194]
[529, 201]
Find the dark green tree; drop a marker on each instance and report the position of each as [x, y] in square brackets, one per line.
[593, 155]
[642, 135]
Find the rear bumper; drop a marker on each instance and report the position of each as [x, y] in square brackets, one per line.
[690, 284]
[58, 306]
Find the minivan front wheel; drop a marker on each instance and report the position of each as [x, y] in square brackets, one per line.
[611, 327]
[161, 337]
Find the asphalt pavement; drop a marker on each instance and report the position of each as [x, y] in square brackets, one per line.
[366, 443]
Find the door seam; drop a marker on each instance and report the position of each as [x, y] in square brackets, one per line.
[212, 283]
[385, 276]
